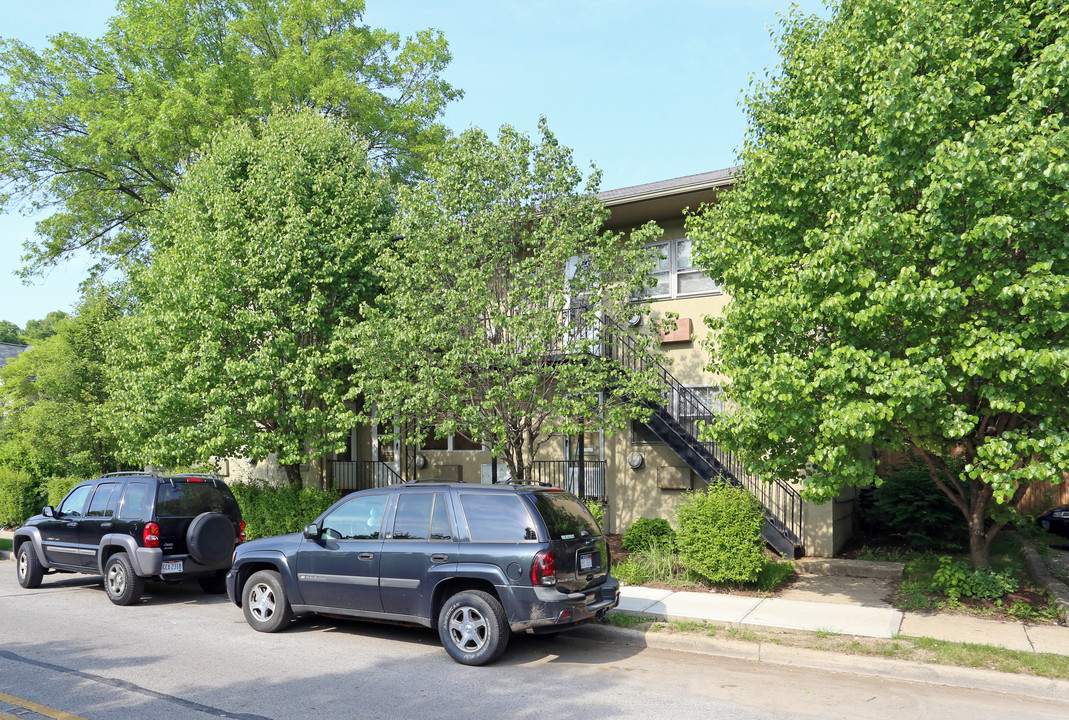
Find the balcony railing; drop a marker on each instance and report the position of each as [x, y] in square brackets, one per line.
[363, 475]
[564, 474]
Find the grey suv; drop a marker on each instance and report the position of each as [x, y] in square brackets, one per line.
[475, 561]
[131, 526]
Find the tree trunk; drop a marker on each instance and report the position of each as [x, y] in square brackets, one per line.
[979, 544]
[293, 473]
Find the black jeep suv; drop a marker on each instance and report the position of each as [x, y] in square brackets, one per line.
[131, 526]
[474, 560]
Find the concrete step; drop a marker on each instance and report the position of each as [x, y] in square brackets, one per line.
[850, 568]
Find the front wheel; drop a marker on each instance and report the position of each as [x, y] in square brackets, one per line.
[28, 568]
[472, 628]
[123, 585]
[264, 602]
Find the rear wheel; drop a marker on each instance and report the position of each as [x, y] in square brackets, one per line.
[122, 584]
[264, 602]
[28, 568]
[472, 628]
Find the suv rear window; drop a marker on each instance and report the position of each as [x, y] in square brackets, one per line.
[186, 499]
[497, 517]
[565, 517]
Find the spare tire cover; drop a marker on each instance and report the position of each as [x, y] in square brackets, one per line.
[210, 538]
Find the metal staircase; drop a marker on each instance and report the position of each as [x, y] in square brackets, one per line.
[677, 420]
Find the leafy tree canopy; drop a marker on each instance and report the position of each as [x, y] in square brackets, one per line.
[43, 329]
[495, 286]
[94, 132]
[51, 394]
[231, 344]
[10, 332]
[898, 252]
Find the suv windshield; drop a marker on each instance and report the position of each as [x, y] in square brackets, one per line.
[565, 517]
[188, 499]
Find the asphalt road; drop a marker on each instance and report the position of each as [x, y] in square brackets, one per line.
[185, 655]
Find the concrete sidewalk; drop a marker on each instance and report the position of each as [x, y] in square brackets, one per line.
[842, 618]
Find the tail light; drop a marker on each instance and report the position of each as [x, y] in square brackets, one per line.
[151, 535]
[544, 568]
[241, 531]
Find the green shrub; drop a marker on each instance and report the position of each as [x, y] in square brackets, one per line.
[644, 533]
[56, 488]
[909, 503]
[20, 497]
[719, 535]
[657, 563]
[278, 510]
[597, 509]
[955, 578]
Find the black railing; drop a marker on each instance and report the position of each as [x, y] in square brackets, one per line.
[682, 408]
[564, 474]
[363, 475]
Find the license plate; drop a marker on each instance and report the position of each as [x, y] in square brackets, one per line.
[172, 566]
[586, 561]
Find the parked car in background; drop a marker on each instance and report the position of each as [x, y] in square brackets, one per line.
[475, 561]
[1056, 520]
[131, 526]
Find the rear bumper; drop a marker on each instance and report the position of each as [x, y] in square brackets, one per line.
[545, 609]
[150, 562]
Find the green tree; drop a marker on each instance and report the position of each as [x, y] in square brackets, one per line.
[37, 330]
[10, 332]
[51, 395]
[897, 249]
[94, 132]
[232, 344]
[501, 270]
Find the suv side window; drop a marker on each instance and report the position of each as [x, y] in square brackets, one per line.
[74, 503]
[421, 515]
[358, 519]
[101, 505]
[133, 502]
[497, 517]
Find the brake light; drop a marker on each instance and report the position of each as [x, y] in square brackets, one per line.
[151, 535]
[544, 568]
[241, 531]
[188, 479]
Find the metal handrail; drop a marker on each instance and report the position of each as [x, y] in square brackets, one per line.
[564, 474]
[363, 475]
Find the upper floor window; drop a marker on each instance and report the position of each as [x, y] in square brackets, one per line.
[675, 275]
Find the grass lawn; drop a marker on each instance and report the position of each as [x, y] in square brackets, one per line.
[5, 544]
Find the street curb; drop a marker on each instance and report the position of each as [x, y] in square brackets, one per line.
[1041, 575]
[774, 654]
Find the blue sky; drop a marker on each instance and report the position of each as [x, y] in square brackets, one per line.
[646, 91]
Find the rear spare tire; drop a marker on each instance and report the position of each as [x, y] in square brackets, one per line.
[210, 538]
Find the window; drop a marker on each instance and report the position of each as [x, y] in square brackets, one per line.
[358, 519]
[675, 274]
[707, 395]
[74, 503]
[189, 499]
[101, 505]
[419, 512]
[459, 441]
[133, 503]
[565, 517]
[497, 517]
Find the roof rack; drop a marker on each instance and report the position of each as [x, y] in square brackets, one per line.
[138, 473]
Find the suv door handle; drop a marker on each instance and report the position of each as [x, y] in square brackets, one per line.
[105, 525]
[365, 556]
[439, 557]
[72, 524]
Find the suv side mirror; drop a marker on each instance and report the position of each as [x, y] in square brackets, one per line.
[48, 511]
[311, 532]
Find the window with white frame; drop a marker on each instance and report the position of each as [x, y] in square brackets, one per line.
[675, 275]
[459, 441]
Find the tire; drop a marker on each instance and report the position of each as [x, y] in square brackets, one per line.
[121, 583]
[28, 568]
[210, 538]
[264, 601]
[213, 584]
[472, 628]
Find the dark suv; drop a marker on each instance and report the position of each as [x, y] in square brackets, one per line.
[474, 560]
[131, 526]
